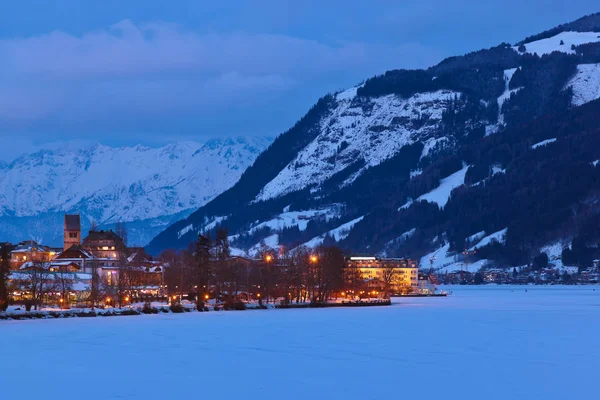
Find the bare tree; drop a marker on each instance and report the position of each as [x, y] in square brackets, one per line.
[121, 231]
[4, 273]
[390, 279]
[329, 263]
[354, 280]
[64, 284]
[40, 282]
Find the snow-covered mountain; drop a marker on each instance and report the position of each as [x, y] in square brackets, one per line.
[146, 187]
[404, 163]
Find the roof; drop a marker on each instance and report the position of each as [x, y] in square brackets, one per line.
[28, 246]
[72, 222]
[75, 251]
[102, 235]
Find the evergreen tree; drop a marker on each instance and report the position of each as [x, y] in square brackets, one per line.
[4, 271]
[202, 259]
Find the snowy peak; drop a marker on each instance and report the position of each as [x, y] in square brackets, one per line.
[109, 184]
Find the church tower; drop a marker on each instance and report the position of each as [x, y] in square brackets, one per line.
[72, 231]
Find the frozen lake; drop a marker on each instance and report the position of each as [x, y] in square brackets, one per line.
[479, 343]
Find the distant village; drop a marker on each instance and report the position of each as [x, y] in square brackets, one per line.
[545, 274]
[100, 270]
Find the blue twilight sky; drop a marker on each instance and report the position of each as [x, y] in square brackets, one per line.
[151, 72]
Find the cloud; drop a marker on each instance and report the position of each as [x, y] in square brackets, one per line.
[129, 75]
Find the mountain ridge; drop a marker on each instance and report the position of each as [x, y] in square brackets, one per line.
[119, 184]
[491, 92]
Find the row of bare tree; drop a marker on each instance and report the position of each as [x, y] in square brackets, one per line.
[207, 270]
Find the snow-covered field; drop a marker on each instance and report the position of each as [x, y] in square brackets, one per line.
[493, 342]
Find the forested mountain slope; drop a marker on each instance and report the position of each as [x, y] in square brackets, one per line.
[413, 161]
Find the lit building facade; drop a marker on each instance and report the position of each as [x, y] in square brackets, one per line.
[403, 274]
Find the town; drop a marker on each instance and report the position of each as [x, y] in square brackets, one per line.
[100, 271]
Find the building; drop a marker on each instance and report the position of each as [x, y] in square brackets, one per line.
[72, 231]
[30, 251]
[426, 284]
[375, 272]
[105, 245]
[76, 254]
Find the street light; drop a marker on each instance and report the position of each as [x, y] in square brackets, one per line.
[269, 258]
[206, 297]
[314, 259]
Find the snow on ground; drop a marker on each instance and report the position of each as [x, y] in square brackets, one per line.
[270, 241]
[441, 194]
[499, 236]
[185, 230]
[491, 342]
[432, 144]
[351, 131]
[476, 237]
[554, 252]
[549, 45]
[585, 84]
[441, 258]
[339, 233]
[508, 74]
[292, 218]
[543, 143]
[415, 173]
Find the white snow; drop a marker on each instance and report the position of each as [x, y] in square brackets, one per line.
[271, 242]
[508, 342]
[595, 162]
[497, 169]
[499, 237]
[447, 261]
[554, 252]
[441, 194]
[339, 233]
[296, 218]
[348, 94]
[415, 173]
[352, 124]
[543, 143]
[432, 144]
[508, 74]
[124, 184]
[185, 230]
[549, 45]
[476, 236]
[585, 84]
